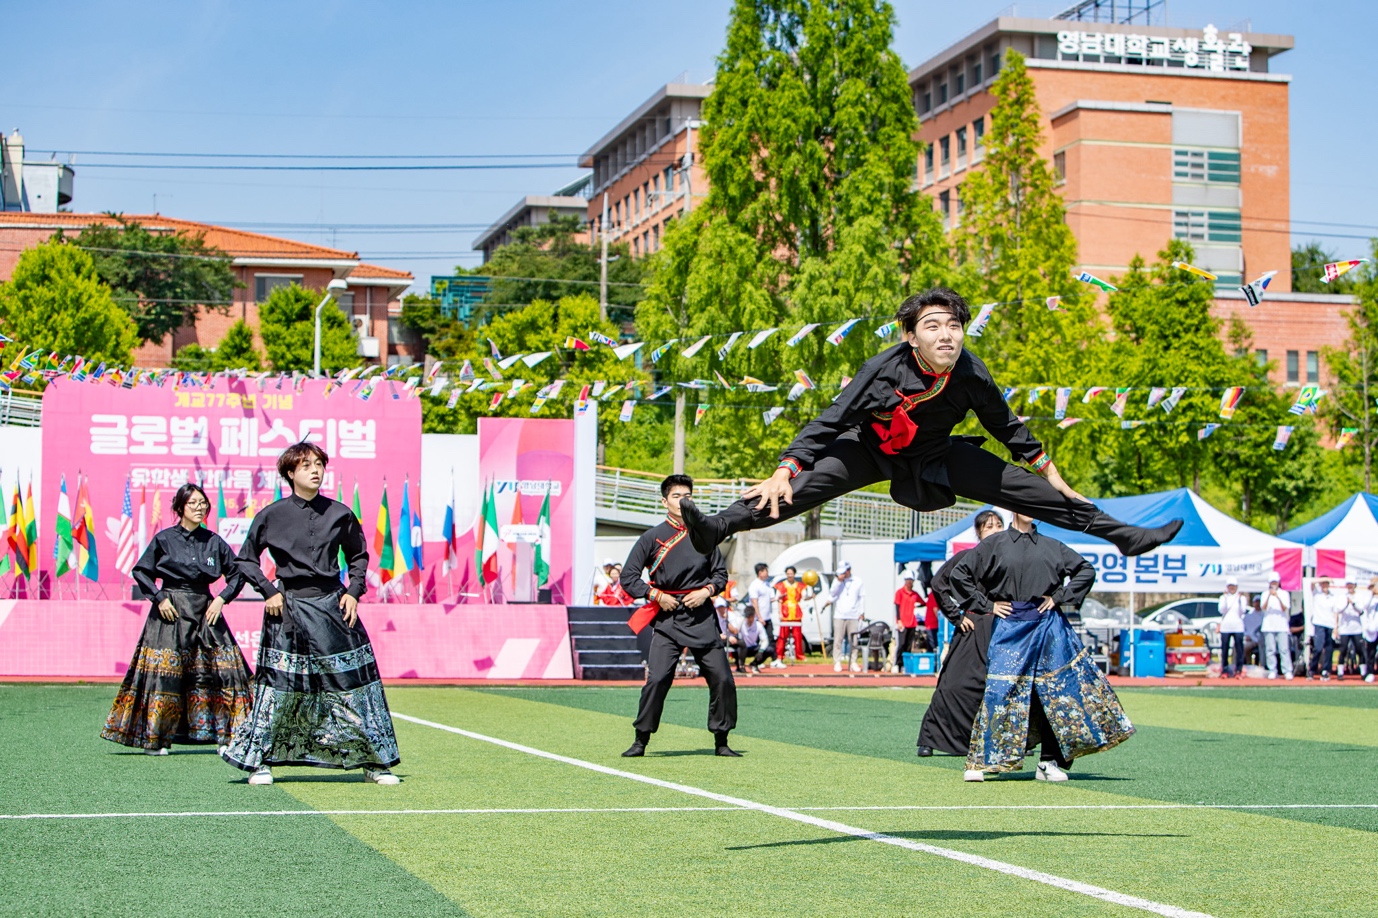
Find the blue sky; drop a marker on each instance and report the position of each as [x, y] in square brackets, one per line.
[516, 77]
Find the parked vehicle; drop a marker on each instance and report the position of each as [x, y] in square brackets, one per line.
[1200, 614]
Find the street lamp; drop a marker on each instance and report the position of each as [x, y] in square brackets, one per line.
[332, 288]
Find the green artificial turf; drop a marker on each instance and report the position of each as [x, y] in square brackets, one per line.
[802, 748]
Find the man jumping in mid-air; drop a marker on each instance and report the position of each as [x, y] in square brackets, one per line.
[894, 423]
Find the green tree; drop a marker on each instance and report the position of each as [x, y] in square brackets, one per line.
[1017, 250]
[1267, 486]
[235, 351]
[1354, 370]
[54, 301]
[547, 262]
[444, 336]
[811, 216]
[161, 279]
[533, 329]
[287, 326]
[1308, 269]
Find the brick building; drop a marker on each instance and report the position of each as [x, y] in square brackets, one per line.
[260, 263]
[646, 168]
[1155, 133]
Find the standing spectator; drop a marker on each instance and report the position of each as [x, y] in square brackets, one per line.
[1323, 621]
[1233, 604]
[792, 594]
[930, 621]
[906, 622]
[760, 597]
[1253, 636]
[1277, 640]
[752, 638]
[1349, 626]
[848, 601]
[602, 578]
[1370, 620]
[1296, 632]
[613, 594]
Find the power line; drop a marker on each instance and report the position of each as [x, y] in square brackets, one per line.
[452, 167]
[158, 154]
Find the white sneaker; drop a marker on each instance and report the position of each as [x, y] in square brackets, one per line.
[381, 776]
[1289, 677]
[777, 664]
[1272, 675]
[264, 775]
[837, 666]
[971, 774]
[1369, 677]
[220, 750]
[1048, 771]
[855, 668]
[162, 751]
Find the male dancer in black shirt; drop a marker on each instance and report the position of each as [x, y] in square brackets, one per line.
[962, 681]
[682, 583]
[317, 696]
[894, 423]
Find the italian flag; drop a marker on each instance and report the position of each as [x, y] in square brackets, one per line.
[542, 560]
[486, 547]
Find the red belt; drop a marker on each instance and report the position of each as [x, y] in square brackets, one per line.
[647, 613]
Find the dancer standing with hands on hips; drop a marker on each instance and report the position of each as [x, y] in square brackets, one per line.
[893, 422]
[317, 696]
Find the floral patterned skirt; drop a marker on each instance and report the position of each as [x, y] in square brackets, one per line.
[1032, 652]
[317, 696]
[187, 682]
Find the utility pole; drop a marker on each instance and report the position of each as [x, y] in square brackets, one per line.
[603, 264]
[679, 432]
[687, 173]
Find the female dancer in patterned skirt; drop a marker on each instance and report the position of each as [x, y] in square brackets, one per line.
[187, 682]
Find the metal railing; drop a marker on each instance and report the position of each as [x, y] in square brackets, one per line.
[859, 515]
[19, 408]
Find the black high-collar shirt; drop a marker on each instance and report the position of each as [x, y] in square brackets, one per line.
[1014, 566]
[187, 559]
[304, 539]
[938, 403]
[941, 585]
[670, 563]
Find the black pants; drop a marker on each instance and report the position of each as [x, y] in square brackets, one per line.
[762, 653]
[1228, 640]
[904, 640]
[849, 464]
[712, 661]
[932, 639]
[1356, 643]
[1322, 649]
[1049, 749]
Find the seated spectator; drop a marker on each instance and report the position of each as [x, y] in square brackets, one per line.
[752, 639]
[726, 630]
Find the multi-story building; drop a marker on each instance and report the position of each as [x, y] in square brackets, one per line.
[260, 263]
[34, 186]
[1155, 133]
[645, 169]
[535, 210]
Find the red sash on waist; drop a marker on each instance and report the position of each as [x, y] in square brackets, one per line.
[647, 613]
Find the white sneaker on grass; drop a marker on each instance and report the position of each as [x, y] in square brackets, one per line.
[162, 751]
[264, 775]
[971, 774]
[381, 776]
[1048, 771]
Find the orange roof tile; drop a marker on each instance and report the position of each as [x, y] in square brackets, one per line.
[237, 244]
[365, 270]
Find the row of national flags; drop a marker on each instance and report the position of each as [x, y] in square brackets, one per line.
[397, 554]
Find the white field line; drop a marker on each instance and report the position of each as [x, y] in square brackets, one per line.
[519, 811]
[1037, 876]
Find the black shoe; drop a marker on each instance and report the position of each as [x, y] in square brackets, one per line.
[1131, 540]
[728, 751]
[925, 751]
[702, 533]
[635, 751]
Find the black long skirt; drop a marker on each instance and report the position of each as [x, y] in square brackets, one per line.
[187, 683]
[961, 685]
[317, 696]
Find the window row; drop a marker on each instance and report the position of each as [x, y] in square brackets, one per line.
[957, 79]
[1313, 365]
[1207, 225]
[1217, 166]
[653, 194]
[957, 141]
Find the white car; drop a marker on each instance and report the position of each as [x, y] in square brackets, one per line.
[1198, 615]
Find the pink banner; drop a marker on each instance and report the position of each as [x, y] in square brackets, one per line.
[94, 640]
[225, 435]
[521, 460]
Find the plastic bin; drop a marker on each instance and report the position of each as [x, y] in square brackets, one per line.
[1150, 653]
[920, 664]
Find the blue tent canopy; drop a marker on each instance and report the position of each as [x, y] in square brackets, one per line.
[1141, 510]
